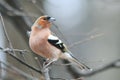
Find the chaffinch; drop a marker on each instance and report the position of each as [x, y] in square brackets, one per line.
[43, 43]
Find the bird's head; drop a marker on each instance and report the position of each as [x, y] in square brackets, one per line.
[44, 21]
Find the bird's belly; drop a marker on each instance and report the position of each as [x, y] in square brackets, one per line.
[44, 49]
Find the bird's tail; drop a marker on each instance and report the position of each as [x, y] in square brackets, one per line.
[73, 60]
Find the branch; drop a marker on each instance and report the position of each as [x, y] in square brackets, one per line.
[16, 50]
[114, 64]
[9, 51]
[87, 39]
[14, 69]
[19, 60]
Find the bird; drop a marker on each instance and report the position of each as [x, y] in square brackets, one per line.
[49, 46]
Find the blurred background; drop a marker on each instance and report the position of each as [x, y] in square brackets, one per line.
[90, 28]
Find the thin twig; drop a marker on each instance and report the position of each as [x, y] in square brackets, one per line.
[6, 34]
[17, 70]
[87, 39]
[21, 61]
[16, 50]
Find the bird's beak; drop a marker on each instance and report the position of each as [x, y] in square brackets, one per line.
[51, 19]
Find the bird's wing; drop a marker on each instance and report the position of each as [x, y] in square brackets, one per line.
[55, 41]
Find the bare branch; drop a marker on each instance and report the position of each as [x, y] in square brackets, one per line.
[114, 64]
[19, 60]
[87, 39]
[16, 50]
[12, 68]
[9, 51]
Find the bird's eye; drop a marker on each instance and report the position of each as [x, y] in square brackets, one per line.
[44, 18]
[48, 18]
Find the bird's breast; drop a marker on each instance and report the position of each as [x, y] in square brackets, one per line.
[36, 43]
[40, 46]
